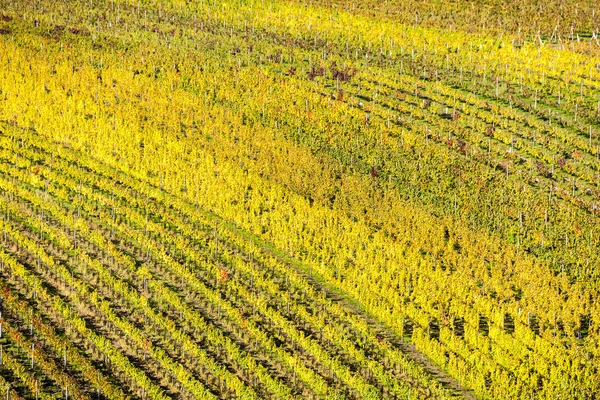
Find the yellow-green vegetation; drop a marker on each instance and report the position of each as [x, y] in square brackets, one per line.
[327, 199]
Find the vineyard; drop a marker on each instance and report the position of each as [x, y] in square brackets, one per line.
[299, 199]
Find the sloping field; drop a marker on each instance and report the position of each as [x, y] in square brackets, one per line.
[257, 199]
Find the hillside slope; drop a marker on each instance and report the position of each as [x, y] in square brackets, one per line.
[273, 200]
